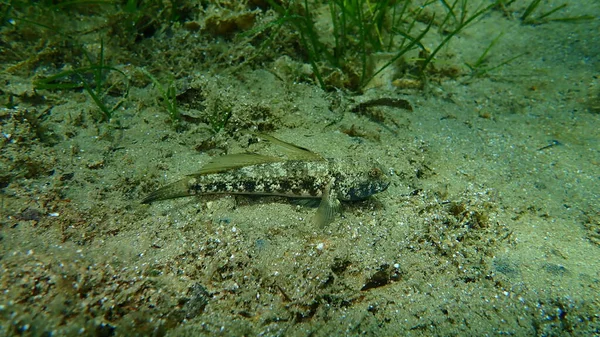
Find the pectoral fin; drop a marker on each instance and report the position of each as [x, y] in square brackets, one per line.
[328, 207]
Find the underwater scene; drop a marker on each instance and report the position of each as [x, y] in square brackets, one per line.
[300, 168]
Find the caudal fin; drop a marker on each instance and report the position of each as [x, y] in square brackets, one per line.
[175, 190]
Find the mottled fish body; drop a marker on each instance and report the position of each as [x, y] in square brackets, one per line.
[304, 175]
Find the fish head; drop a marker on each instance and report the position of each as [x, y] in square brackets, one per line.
[361, 181]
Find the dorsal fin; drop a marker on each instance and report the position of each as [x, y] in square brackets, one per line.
[237, 160]
[233, 161]
[292, 151]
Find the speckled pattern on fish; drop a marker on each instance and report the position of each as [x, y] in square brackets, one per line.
[303, 174]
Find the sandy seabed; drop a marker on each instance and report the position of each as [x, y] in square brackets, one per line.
[491, 225]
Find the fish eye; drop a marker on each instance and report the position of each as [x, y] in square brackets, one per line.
[375, 172]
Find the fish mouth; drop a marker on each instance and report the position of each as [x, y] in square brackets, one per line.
[366, 190]
[385, 185]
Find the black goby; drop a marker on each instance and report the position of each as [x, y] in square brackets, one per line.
[303, 174]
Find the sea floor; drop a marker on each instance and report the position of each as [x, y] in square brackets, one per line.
[491, 225]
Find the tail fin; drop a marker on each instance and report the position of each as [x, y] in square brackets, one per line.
[177, 189]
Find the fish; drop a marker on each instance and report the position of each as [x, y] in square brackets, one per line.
[300, 174]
